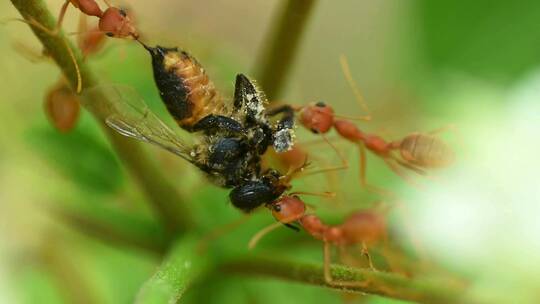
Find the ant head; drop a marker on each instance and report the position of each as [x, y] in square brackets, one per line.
[364, 226]
[318, 117]
[288, 209]
[115, 22]
[88, 7]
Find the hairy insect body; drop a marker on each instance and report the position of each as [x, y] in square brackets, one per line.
[234, 135]
[185, 88]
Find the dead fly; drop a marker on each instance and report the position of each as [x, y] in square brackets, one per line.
[232, 135]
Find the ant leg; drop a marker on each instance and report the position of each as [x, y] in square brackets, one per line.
[348, 76]
[33, 23]
[328, 272]
[398, 170]
[259, 235]
[321, 194]
[108, 3]
[29, 53]
[409, 166]
[344, 164]
[365, 252]
[363, 178]
[442, 129]
[61, 16]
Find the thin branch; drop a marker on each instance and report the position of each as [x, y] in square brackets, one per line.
[182, 266]
[278, 54]
[371, 282]
[160, 192]
[113, 226]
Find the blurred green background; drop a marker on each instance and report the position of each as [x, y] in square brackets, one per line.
[420, 64]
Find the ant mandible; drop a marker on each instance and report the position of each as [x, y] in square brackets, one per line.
[361, 227]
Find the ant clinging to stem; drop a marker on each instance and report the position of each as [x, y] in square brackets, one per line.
[361, 227]
[113, 22]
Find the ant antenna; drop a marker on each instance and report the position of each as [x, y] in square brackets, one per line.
[327, 194]
[259, 235]
[348, 76]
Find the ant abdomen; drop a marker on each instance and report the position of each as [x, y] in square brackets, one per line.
[426, 151]
[363, 226]
[184, 87]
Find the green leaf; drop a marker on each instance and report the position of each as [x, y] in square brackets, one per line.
[485, 38]
[81, 155]
[178, 271]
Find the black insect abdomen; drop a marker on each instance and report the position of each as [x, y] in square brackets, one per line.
[171, 87]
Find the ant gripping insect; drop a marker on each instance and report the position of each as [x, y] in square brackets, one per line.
[233, 135]
[361, 227]
[114, 22]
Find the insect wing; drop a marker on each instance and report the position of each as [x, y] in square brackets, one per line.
[129, 115]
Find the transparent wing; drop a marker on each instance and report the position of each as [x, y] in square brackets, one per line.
[129, 115]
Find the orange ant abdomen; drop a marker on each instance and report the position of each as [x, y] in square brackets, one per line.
[62, 107]
[425, 151]
[363, 227]
[184, 86]
[317, 117]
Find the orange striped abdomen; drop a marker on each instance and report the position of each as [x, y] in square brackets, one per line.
[184, 87]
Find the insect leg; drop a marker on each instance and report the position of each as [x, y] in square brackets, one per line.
[363, 178]
[399, 171]
[328, 272]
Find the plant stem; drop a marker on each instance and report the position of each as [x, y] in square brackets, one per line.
[277, 56]
[114, 226]
[371, 282]
[182, 266]
[165, 200]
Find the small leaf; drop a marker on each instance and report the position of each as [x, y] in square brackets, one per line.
[178, 271]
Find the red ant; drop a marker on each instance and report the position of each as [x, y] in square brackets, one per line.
[113, 22]
[361, 227]
[417, 151]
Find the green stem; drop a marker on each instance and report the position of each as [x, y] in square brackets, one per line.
[114, 226]
[371, 282]
[165, 200]
[182, 266]
[278, 54]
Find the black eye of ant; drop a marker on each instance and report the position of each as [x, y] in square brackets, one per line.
[109, 34]
[123, 13]
[277, 208]
[320, 104]
[314, 130]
